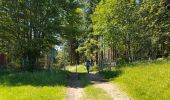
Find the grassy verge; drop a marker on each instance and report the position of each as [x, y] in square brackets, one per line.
[94, 93]
[42, 85]
[144, 81]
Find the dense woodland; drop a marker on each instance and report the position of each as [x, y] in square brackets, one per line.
[99, 30]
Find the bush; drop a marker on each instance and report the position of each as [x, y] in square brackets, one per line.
[13, 65]
[121, 61]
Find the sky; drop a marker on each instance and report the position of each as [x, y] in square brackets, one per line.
[59, 48]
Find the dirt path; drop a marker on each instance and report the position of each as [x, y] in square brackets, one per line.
[75, 91]
[111, 89]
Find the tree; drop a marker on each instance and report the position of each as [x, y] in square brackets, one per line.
[31, 27]
[89, 44]
[72, 29]
[131, 30]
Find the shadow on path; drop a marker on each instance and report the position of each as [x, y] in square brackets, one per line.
[84, 79]
[54, 78]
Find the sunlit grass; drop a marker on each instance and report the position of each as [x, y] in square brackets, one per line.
[32, 92]
[42, 85]
[82, 68]
[94, 93]
[146, 81]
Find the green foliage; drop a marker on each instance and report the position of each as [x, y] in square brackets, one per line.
[13, 65]
[135, 30]
[88, 42]
[110, 74]
[61, 60]
[71, 31]
[29, 28]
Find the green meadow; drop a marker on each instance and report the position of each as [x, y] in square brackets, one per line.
[143, 80]
[140, 80]
[41, 85]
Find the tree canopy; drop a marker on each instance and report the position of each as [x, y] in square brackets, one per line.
[129, 30]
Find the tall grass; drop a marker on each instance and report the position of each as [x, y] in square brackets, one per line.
[42, 85]
[146, 80]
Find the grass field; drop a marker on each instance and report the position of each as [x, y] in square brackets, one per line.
[144, 81]
[141, 81]
[41, 85]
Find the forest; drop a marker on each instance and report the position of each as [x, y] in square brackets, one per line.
[134, 31]
[118, 37]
